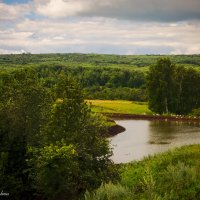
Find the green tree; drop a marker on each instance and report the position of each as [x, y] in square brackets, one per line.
[161, 86]
[23, 109]
[55, 168]
[187, 89]
[71, 123]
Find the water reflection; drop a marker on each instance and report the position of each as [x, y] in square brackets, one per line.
[143, 137]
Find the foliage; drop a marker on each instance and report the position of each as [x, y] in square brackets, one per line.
[100, 82]
[102, 76]
[91, 60]
[172, 175]
[109, 191]
[55, 167]
[120, 93]
[196, 112]
[188, 90]
[51, 143]
[171, 88]
[23, 109]
[161, 86]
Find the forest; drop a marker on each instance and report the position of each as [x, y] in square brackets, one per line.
[54, 147]
[101, 76]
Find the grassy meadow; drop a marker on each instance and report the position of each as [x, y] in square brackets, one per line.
[119, 106]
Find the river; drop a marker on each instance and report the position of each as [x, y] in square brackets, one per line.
[144, 137]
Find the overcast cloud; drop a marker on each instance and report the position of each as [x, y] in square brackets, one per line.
[106, 26]
[140, 10]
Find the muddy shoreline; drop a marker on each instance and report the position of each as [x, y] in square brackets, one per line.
[115, 116]
[114, 130]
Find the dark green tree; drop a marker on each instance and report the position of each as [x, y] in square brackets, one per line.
[23, 109]
[161, 86]
[72, 124]
[188, 89]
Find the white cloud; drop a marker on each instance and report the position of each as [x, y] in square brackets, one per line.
[12, 12]
[60, 8]
[141, 10]
[58, 38]
[101, 35]
[101, 30]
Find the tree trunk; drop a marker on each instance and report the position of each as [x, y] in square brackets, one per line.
[166, 105]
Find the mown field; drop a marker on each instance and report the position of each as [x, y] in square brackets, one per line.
[119, 106]
[172, 175]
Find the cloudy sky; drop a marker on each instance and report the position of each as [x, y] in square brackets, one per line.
[100, 26]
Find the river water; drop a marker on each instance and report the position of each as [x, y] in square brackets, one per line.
[144, 137]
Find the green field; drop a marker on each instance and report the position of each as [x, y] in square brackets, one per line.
[119, 106]
[172, 175]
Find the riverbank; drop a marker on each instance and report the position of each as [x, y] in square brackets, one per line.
[170, 175]
[120, 109]
[115, 129]
[112, 128]
[115, 116]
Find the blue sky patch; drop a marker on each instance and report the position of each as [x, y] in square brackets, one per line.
[15, 1]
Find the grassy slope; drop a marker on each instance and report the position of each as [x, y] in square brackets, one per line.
[172, 175]
[119, 106]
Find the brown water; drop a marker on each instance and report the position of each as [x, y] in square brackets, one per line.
[143, 138]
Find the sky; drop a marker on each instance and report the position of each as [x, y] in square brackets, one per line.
[126, 27]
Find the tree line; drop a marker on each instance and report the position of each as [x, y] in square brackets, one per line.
[96, 60]
[100, 83]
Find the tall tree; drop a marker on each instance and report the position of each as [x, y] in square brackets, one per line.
[71, 124]
[188, 89]
[23, 109]
[161, 86]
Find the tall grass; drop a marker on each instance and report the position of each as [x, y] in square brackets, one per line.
[174, 175]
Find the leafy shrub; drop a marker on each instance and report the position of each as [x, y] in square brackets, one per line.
[181, 180]
[54, 169]
[196, 112]
[110, 192]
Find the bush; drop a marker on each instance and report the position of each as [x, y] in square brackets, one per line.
[172, 175]
[181, 180]
[196, 112]
[54, 169]
[110, 192]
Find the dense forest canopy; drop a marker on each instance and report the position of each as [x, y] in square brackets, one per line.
[112, 76]
[51, 144]
[97, 59]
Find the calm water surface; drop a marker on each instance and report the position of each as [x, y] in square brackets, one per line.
[143, 138]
